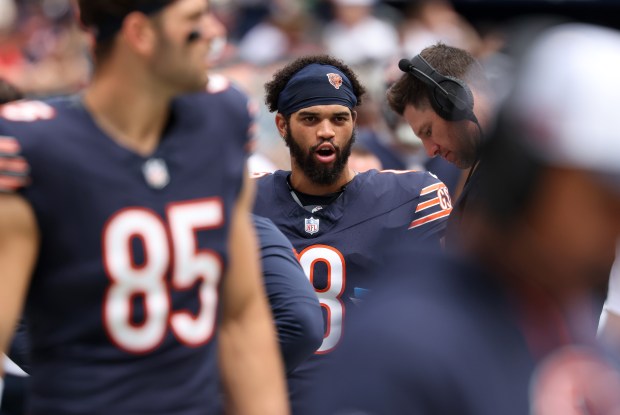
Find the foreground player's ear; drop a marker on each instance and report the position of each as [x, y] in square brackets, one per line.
[281, 124]
[139, 34]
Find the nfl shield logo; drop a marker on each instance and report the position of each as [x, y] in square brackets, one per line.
[156, 173]
[312, 226]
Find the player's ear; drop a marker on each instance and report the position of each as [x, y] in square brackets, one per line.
[354, 116]
[281, 123]
[139, 34]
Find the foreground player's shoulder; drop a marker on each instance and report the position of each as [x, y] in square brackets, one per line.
[23, 126]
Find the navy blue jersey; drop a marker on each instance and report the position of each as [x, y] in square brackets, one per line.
[123, 303]
[337, 244]
[452, 340]
[294, 304]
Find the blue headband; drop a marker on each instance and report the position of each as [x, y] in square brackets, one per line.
[316, 84]
[111, 24]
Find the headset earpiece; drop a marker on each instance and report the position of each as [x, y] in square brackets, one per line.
[450, 97]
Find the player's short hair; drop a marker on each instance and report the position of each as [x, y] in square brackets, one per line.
[104, 17]
[9, 92]
[274, 87]
[448, 61]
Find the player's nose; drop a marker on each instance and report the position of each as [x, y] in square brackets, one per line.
[431, 148]
[326, 130]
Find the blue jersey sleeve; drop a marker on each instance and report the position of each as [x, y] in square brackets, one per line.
[294, 304]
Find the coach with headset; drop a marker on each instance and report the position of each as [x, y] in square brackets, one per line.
[444, 96]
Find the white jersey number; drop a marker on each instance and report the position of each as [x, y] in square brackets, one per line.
[329, 297]
[163, 245]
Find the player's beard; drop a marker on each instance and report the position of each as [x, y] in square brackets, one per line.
[319, 173]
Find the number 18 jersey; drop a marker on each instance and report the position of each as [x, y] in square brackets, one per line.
[339, 245]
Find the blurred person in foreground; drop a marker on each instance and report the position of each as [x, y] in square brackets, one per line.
[444, 97]
[13, 384]
[609, 325]
[505, 325]
[125, 223]
[294, 305]
[332, 215]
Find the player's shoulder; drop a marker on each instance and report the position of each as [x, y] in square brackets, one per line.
[39, 123]
[29, 113]
[220, 91]
[414, 182]
[263, 178]
[221, 100]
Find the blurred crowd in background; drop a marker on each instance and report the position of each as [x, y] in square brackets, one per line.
[43, 52]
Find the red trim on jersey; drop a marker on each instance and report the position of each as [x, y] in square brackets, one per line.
[427, 204]
[12, 183]
[429, 218]
[429, 189]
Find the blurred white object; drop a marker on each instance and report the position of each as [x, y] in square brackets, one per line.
[368, 39]
[568, 97]
[258, 163]
[8, 14]
[11, 368]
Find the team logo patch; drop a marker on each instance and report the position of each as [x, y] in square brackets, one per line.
[156, 173]
[312, 225]
[335, 80]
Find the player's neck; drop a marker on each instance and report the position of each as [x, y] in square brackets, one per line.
[301, 183]
[129, 112]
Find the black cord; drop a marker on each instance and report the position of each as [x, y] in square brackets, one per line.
[477, 159]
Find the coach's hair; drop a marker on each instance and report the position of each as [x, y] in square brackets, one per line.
[281, 78]
[95, 14]
[448, 61]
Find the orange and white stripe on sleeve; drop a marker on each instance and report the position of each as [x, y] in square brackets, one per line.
[434, 204]
[14, 169]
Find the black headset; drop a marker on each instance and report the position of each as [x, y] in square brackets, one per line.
[450, 97]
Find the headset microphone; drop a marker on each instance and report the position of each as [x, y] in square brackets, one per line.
[405, 65]
[194, 35]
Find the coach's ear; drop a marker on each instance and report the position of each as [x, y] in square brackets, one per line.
[281, 124]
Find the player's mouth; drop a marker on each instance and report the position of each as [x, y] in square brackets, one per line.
[325, 153]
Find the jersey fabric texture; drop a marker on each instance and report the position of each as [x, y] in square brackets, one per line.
[294, 304]
[337, 244]
[452, 340]
[123, 302]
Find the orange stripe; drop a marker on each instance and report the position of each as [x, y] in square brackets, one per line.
[431, 188]
[427, 204]
[17, 165]
[11, 183]
[8, 145]
[429, 218]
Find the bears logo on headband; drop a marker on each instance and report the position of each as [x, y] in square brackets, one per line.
[308, 88]
[335, 79]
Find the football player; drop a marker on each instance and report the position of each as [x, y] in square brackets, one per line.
[335, 217]
[124, 216]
